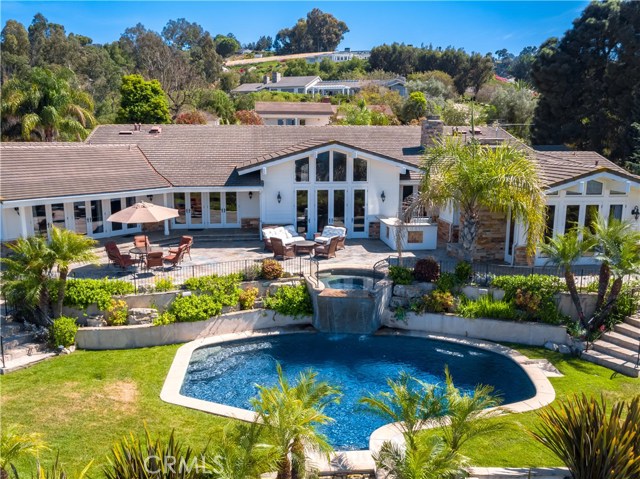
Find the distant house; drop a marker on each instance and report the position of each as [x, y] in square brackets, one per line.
[342, 56]
[294, 113]
[316, 86]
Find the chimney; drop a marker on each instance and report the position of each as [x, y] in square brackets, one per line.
[275, 77]
[347, 49]
[432, 128]
[266, 79]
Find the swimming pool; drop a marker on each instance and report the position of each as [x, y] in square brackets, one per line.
[227, 373]
[349, 282]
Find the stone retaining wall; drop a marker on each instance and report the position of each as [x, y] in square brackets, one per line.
[143, 336]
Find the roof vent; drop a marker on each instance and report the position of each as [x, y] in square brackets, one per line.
[125, 132]
[477, 131]
[155, 129]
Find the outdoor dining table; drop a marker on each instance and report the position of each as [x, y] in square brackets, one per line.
[143, 251]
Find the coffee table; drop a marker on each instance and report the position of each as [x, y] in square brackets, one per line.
[304, 247]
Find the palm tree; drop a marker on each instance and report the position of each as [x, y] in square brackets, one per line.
[15, 445]
[291, 414]
[69, 247]
[564, 250]
[477, 177]
[26, 277]
[46, 106]
[415, 405]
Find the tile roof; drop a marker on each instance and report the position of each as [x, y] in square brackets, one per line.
[293, 108]
[39, 170]
[248, 88]
[208, 155]
[292, 82]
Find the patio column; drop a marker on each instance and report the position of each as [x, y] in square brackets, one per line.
[166, 222]
[23, 221]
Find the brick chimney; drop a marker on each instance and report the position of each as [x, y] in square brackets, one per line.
[266, 79]
[431, 129]
[275, 77]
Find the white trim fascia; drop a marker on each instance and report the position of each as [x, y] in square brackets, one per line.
[604, 175]
[353, 152]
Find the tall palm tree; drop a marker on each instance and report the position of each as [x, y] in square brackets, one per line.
[69, 247]
[477, 177]
[291, 414]
[15, 445]
[414, 404]
[564, 250]
[46, 105]
[610, 237]
[26, 277]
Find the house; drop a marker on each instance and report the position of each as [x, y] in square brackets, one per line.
[351, 87]
[243, 176]
[342, 56]
[294, 113]
[276, 82]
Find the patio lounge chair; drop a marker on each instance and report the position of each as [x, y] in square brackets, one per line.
[154, 260]
[116, 258]
[329, 232]
[280, 250]
[175, 258]
[287, 234]
[185, 240]
[328, 250]
[141, 241]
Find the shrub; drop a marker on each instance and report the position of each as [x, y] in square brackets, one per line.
[487, 307]
[195, 307]
[164, 319]
[164, 284]
[225, 289]
[463, 272]
[116, 313]
[447, 282]
[248, 297]
[626, 305]
[251, 273]
[290, 300]
[540, 290]
[427, 269]
[271, 269]
[401, 275]
[63, 331]
[438, 302]
[81, 293]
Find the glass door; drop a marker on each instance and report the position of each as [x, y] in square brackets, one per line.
[359, 213]
[39, 220]
[96, 219]
[194, 216]
[180, 203]
[337, 217]
[116, 205]
[215, 208]
[57, 215]
[322, 209]
[231, 209]
[80, 217]
[302, 212]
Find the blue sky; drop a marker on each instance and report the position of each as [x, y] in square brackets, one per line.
[473, 25]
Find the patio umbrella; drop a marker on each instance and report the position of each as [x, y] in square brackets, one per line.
[143, 212]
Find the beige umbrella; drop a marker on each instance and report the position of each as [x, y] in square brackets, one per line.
[143, 213]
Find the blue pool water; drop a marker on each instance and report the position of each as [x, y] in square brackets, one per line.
[228, 373]
[341, 281]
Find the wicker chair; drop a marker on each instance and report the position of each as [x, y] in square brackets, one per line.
[116, 258]
[154, 260]
[184, 241]
[328, 250]
[280, 250]
[175, 258]
[323, 237]
[141, 241]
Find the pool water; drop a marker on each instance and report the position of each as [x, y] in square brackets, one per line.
[228, 373]
[350, 282]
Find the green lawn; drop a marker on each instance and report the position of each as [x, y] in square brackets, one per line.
[84, 402]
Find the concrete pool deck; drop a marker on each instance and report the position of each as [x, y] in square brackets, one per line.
[356, 461]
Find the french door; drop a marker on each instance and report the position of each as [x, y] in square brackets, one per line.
[330, 208]
[206, 210]
[358, 214]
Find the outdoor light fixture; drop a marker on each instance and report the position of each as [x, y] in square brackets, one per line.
[17, 210]
[279, 197]
[250, 194]
[636, 212]
[383, 196]
[150, 197]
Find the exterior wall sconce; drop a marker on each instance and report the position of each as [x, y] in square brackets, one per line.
[279, 197]
[251, 195]
[150, 197]
[636, 212]
[383, 196]
[17, 210]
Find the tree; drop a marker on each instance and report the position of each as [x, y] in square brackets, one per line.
[413, 405]
[564, 250]
[217, 102]
[291, 413]
[248, 117]
[264, 43]
[191, 118]
[68, 247]
[476, 177]
[514, 108]
[593, 440]
[15, 50]
[142, 101]
[226, 46]
[229, 80]
[415, 107]
[319, 32]
[588, 81]
[46, 106]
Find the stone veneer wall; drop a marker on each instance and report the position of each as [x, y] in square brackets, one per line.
[446, 234]
[374, 229]
[253, 223]
[521, 257]
[491, 238]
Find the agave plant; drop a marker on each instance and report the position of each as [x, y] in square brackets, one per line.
[590, 442]
[57, 472]
[16, 445]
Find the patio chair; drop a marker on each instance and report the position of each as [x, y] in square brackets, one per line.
[175, 258]
[184, 241]
[154, 260]
[328, 250]
[280, 250]
[330, 231]
[116, 257]
[141, 241]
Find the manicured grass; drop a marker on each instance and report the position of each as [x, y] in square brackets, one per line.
[84, 402]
